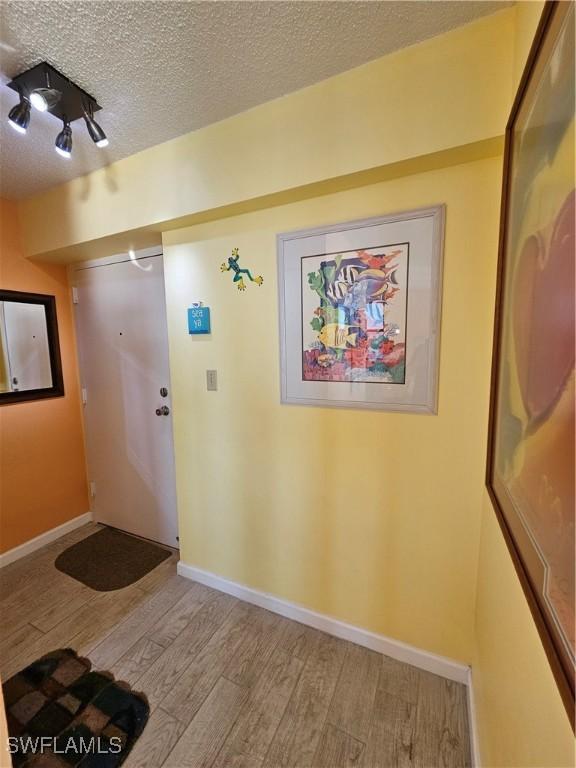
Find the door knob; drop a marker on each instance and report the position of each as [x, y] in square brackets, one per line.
[164, 411]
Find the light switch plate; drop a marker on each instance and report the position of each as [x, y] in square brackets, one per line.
[211, 381]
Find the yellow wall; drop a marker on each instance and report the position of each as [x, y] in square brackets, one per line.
[521, 718]
[522, 721]
[448, 91]
[367, 516]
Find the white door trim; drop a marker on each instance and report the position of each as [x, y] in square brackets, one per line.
[117, 258]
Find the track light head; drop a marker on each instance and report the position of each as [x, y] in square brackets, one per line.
[44, 99]
[95, 131]
[19, 115]
[63, 143]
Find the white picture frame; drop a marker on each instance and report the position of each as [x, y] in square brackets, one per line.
[339, 360]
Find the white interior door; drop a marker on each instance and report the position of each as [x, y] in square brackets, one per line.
[123, 350]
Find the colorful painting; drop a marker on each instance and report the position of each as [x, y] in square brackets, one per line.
[354, 315]
[532, 457]
[359, 305]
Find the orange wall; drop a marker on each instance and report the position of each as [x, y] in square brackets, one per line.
[42, 466]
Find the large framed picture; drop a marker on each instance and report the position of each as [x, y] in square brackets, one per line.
[360, 312]
[530, 472]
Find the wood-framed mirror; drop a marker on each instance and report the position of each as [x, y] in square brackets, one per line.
[30, 363]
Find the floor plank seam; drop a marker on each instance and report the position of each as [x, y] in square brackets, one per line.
[193, 659]
[126, 619]
[295, 686]
[325, 719]
[344, 731]
[31, 623]
[224, 741]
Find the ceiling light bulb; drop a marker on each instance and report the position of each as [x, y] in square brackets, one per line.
[95, 131]
[38, 102]
[44, 99]
[64, 141]
[19, 115]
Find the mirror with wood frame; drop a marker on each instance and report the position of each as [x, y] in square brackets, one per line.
[30, 364]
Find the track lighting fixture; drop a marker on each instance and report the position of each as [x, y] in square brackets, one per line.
[48, 90]
[63, 144]
[95, 131]
[19, 115]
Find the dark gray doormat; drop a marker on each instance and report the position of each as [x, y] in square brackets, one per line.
[110, 559]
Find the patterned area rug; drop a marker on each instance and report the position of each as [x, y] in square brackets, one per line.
[61, 714]
[110, 559]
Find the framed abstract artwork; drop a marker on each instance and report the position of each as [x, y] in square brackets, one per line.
[360, 312]
[530, 472]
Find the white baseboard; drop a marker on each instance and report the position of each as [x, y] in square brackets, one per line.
[472, 722]
[430, 662]
[45, 538]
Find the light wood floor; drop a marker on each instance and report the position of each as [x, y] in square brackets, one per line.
[231, 685]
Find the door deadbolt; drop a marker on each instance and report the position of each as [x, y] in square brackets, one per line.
[164, 411]
[163, 392]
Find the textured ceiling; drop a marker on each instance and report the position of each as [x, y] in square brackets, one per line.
[162, 68]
